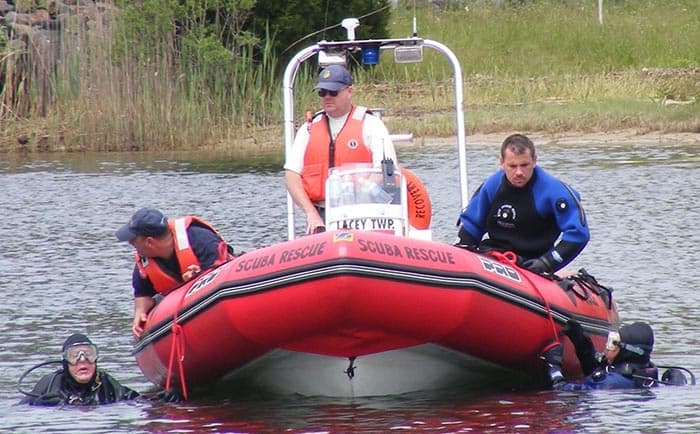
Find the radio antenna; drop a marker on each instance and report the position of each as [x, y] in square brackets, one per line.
[415, 25]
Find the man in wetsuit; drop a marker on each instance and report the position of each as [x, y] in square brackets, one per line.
[79, 381]
[523, 209]
[625, 363]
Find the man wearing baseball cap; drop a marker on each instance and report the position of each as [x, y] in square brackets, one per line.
[169, 252]
[340, 133]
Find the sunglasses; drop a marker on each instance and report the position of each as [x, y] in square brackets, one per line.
[324, 92]
[73, 355]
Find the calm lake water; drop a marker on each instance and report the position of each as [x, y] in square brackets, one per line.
[65, 272]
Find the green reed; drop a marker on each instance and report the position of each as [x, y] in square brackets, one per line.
[548, 65]
[106, 95]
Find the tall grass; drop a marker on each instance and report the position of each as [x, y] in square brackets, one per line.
[105, 96]
[547, 65]
[548, 37]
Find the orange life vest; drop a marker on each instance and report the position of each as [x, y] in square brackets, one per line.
[162, 280]
[350, 147]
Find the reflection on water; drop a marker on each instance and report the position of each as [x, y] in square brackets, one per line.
[65, 272]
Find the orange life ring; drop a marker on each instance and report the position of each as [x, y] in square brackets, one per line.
[420, 210]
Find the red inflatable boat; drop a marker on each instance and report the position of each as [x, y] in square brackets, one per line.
[345, 296]
[372, 306]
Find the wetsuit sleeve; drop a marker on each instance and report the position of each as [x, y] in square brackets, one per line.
[585, 352]
[572, 220]
[464, 238]
[563, 202]
[46, 391]
[572, 386]
[113, 391]
[474, 217]
[563, 253]
[205, 244]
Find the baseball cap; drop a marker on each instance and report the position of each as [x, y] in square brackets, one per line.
[334, 77]
[145, 222]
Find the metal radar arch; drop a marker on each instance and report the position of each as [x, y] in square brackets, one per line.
[405, 50]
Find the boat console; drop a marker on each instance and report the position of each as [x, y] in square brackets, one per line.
[361, 197]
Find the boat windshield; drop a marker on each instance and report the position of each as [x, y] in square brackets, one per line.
[361, 197]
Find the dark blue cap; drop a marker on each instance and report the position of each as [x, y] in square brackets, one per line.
[334, 77]
[145, 222]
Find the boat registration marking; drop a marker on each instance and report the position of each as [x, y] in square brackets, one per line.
[202, 282]
[364, 224]
[500, 269]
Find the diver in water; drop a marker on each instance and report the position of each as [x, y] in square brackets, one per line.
[624, 364]
[79, 381]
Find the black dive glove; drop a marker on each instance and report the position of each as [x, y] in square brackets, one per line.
[538, 265]
[583, 345]
[553, 260]
[173, 395]
[465, 240]
[49, 399]
[553, 360]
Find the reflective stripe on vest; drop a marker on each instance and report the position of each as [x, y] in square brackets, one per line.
[164, 282]
[183, 250]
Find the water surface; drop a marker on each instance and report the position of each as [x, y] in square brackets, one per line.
[65, 272]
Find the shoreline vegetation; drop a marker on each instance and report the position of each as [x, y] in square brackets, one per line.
[545, 68]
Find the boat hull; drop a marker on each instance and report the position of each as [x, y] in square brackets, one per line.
[421, 368]
[365, 296]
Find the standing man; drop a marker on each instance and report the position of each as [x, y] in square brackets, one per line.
[340, 133]
[168, 254]
[523, 209]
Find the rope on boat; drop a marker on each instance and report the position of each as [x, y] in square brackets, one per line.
[512, 259]
[177, 351]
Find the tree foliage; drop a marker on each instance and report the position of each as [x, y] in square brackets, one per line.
[204, 31]
[298, 23]
[191, 31]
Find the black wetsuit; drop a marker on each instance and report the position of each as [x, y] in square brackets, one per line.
[59, 388]
[528, 220]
